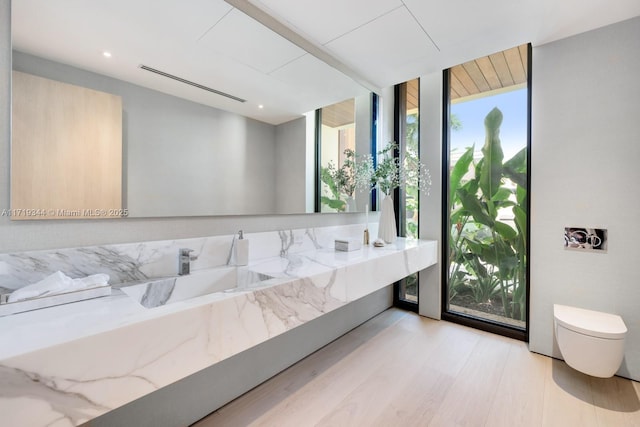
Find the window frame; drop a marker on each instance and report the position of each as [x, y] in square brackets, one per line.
[460, 318]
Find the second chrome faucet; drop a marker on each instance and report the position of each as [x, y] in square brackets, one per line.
[184, 261]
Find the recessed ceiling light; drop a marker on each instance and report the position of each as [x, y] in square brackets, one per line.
[261, 106]
[106, 54]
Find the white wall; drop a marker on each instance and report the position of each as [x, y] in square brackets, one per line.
[330, 147]
[203, 160]
[585, 173]
[385, 115]
[291, 164]
[431, 204]
[363, 141]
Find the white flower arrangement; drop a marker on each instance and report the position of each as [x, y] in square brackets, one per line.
[355, 173]
[390, 174]
[358, 173]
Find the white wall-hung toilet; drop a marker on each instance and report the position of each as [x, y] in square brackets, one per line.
[591, 342]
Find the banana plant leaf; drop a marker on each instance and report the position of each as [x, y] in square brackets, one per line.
[458, 172]
[521, 196]
[474, 206]
[491, 168]
[339, 205]
[516, 168]
[502, 195]
[492, 252]
[521, 221]
[505, 230]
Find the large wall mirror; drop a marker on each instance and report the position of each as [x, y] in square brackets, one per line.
[217, 112]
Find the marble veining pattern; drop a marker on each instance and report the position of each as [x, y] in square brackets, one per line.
[133, 262]
[17, 270]
[135, 350]
[74, 408]
[157, 294]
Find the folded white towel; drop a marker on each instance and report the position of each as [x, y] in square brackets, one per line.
[58, 283]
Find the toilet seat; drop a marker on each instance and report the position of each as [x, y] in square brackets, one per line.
[591, 323]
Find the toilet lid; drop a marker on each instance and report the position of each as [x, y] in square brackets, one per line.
[588, 322]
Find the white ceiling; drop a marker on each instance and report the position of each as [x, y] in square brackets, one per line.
[210, 42]
[391, 41]
[204, 41]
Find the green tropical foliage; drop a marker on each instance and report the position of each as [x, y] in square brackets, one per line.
[341, 183]
[333, 201]
[412, 191]
[488, 254]
[416, 176]
[387, 172]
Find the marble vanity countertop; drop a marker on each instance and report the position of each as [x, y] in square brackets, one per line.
[68, 364]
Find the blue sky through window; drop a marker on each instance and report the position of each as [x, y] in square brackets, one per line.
[513, 132]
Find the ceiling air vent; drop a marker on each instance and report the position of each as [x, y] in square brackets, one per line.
[194, 84]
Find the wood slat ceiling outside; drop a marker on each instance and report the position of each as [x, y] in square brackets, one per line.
[413, 94]
[343, 113]
[489, 73]
[340, 114]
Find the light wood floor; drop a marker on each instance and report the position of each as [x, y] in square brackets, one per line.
[400, 369]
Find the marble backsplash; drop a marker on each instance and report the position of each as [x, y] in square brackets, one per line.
[132, 262]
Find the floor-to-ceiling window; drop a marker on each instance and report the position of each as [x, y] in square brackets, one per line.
[407, 134]
[487, 216]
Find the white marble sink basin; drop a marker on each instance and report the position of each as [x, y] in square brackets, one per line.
[297, 265]
[157, 292]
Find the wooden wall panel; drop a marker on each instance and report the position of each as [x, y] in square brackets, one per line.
[66, 151]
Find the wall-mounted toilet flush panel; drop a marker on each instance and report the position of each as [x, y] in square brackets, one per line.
[586, 239]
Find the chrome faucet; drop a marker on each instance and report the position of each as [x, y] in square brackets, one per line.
[184, 261]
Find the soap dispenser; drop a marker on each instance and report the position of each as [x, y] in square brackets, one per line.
[242, 249]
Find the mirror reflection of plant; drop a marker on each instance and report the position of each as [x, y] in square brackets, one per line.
[355, 174]
[333, 202]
